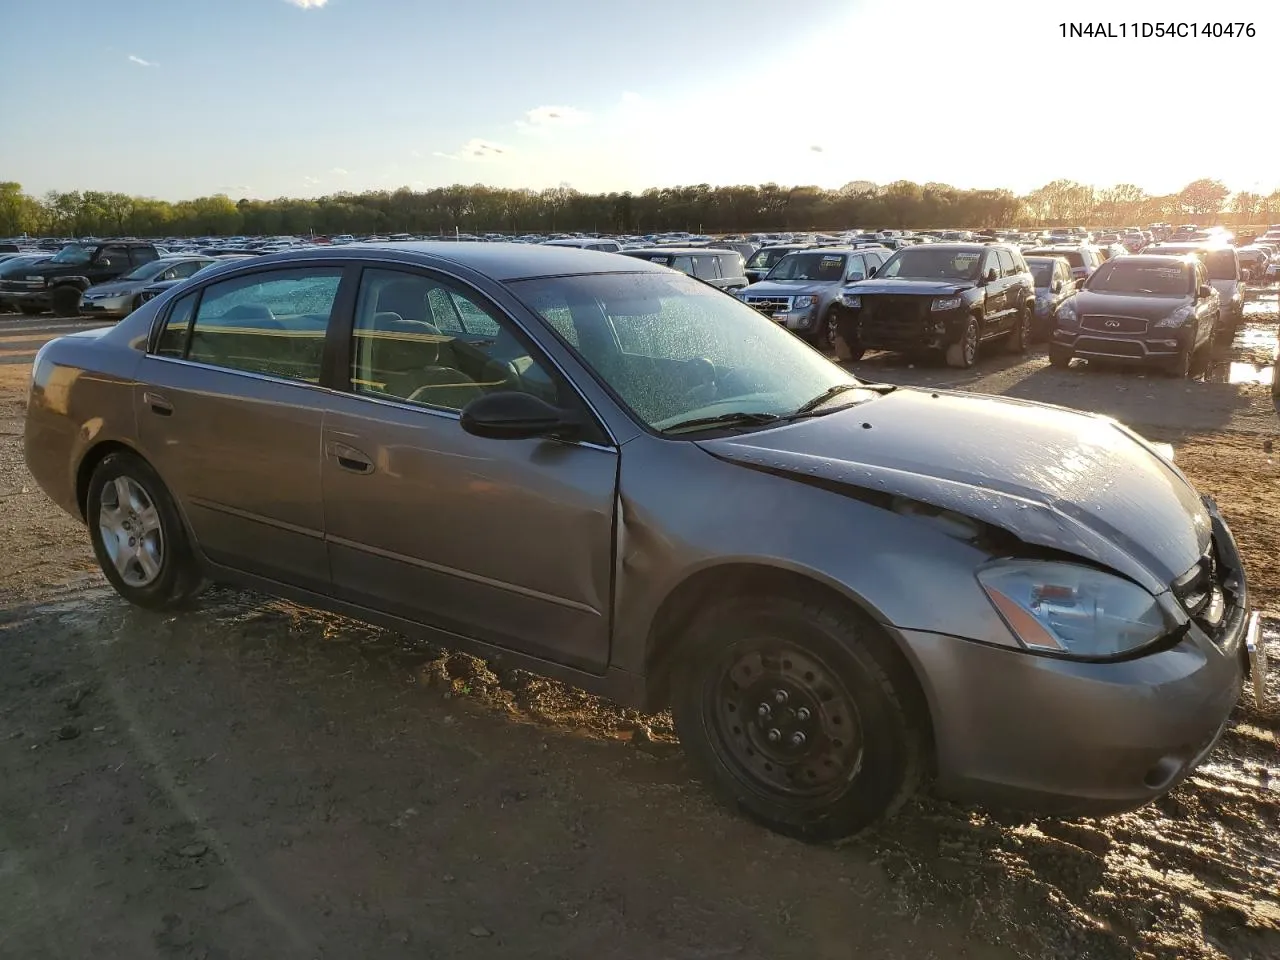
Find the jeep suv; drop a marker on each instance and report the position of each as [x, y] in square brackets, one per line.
[941, 298]
[57, 283]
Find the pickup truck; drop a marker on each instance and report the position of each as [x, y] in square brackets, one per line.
[57, 283]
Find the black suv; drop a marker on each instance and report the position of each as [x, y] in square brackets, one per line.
[56, 284]
[941, 298]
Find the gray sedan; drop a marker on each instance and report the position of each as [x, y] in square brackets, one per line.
[608, 472]
[119, 298]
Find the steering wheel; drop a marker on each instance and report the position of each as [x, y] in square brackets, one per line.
[703, 372]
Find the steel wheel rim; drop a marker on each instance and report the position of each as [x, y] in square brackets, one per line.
[129, 524]
[786, 725]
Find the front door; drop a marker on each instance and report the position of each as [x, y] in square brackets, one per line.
[505, 541]
[995, 293]
[230, 412]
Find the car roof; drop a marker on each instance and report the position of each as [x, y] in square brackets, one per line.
[497, 261]
[637, 251]
[1159, 258]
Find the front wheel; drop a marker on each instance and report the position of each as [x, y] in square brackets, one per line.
[137, 535]
[799, 715]
[964, 352]
[31, 310]
[66, 302]
[1059, 357]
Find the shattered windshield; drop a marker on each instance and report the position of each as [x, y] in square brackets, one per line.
[674, 349]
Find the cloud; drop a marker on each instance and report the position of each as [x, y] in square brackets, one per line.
[416, 154]
[311, 180]
[308, 4]
[142, 63]
[475, 149]
[339, 172]
[816, 149]
[543, 120]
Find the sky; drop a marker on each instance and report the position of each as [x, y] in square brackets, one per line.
[265, 98]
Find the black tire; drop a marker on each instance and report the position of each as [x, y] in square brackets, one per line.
[1201, 358]
[1059, 357]
[177, 578]
[842, 676]
[1019, 339]
[137, 302]
[1180, 366]
[963, 354]
[846, 328]
[66, 301]
[31, 310]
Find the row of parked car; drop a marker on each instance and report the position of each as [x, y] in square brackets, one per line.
[928, 296]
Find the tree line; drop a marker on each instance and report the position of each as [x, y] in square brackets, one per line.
[702, 208]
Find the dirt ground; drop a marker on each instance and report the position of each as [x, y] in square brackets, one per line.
[256, 779]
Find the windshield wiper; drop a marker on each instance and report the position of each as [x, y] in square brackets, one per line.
[832, 392]
[734, 419]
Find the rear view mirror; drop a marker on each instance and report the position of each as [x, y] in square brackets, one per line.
[511, 415]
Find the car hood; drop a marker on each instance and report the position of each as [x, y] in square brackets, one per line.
[789, 288]
[1127, 305]
[115, 286]
[1052, 477]
[925, 288]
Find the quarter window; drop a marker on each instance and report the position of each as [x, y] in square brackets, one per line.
[173, 339]
[270, 323]
[704, 267]
[420, 341]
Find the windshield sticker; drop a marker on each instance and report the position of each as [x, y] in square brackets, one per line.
[965, 260]
[1171, 273]
[832, 261]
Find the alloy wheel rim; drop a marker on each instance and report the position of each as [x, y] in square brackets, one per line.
[129, 524]
[786, 723]
[970, 342]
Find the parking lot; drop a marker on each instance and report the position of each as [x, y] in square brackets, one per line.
[253, 778]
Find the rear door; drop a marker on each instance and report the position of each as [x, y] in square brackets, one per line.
[995, 301]
[230, 405]
[505, 541]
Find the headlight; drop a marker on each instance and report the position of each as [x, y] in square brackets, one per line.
[947, 303]
[1178, 317]
[852, 300]
[802, 303]
[1066, 314]
[1072, 610]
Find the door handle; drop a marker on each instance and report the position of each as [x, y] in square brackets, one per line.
[158, 403]
[349, 458]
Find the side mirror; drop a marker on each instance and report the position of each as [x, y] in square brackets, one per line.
[1246, 275]
[872, 272]
[511, 415]
[104, 262]
[990, 277]
[1204, 292]
[1055, 286]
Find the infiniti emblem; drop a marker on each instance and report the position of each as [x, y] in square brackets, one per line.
[1113, 324]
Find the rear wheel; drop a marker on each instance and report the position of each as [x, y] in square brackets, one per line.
[1019, 340]
[66, 302]
[137, 535]
[964, 352]
[800, 715]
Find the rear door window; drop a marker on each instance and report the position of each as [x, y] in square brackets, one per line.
[115, 257]
[1007, 267]
[142, 255]
[857, 268]
[704, 267]
[271, 323]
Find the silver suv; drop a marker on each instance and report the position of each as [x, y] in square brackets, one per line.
[803, 288]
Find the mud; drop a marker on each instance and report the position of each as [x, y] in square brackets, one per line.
[254, 778]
